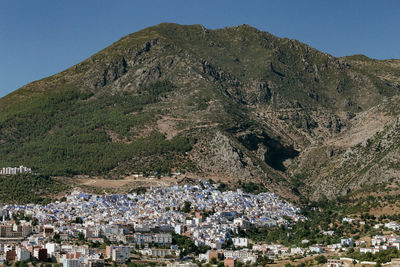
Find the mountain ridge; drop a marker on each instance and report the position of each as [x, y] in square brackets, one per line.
[235, 103]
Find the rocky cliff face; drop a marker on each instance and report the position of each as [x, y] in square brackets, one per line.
[233, 103]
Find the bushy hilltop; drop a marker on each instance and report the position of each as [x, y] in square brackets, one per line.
[236, 104]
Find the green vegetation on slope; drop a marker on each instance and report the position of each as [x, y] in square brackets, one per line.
[27, 188]
[70, 132]
[187, 245]
[379, 257]
[327, 215]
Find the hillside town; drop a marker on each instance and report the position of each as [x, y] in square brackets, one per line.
[175, 226]
[142, 221]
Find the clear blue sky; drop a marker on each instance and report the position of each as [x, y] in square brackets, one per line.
[42, 37]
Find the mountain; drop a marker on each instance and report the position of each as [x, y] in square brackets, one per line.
[236, 104]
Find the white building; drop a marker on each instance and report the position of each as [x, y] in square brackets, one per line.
[371, 250]
[70, 263]
[121, 254]
[240, 242]
[181, 264]
[393, 226]
[347, 219]
[179, 229]
[52, 248]
[346, 242]
[22, 254]
[242, 223]
[241, 255]
[15, 170]
[378, 240]
[329, 233]
[334, 263]
[316, 249]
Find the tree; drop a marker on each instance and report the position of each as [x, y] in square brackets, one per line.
[81, 236]
[187, 207]
[321, 259]
[21, 264]
[227, 244]
[263, 261]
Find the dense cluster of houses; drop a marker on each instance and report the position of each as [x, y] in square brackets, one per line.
[381, 242]
[117, 226]
[141, 222]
